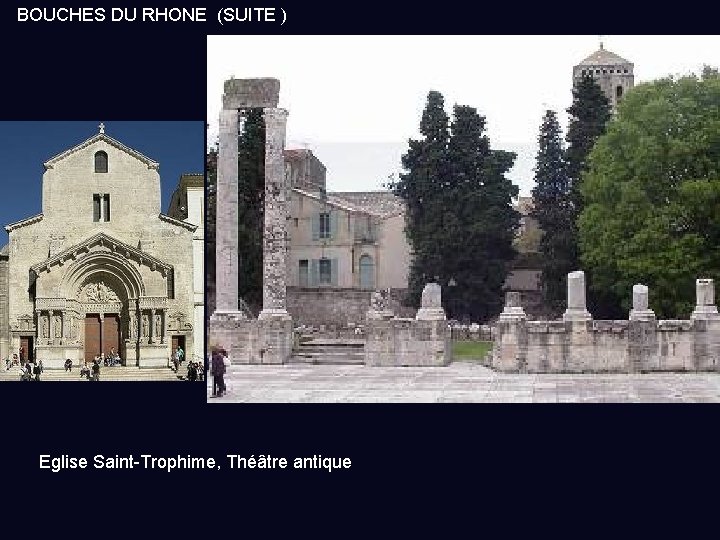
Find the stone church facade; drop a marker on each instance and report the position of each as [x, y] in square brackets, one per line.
[101, 267]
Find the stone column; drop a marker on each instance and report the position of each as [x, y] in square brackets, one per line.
[151, 330]
[513, 310]
[102, 332]
[226, 254]
[276, 211]
[63, 326]
[705, 307]
[51, 326]
[640, 310]
[576, 307]
[133, 325]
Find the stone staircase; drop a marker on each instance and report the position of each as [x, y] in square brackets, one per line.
[115, 373]
[329, 351]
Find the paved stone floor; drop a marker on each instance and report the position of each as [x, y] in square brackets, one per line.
[459, 382]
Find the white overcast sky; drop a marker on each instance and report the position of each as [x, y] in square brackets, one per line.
[356, 100]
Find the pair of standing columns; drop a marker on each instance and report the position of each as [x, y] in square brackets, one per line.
[238, 95]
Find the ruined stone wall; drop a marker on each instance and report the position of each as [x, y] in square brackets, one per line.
[407, 342]
[606, 346]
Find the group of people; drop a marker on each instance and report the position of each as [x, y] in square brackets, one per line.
[196, 371]
[90, 372]
[31, 371]
[220, 363]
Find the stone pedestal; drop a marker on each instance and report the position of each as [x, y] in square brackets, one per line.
[431, 304]
[640, 310]
[237, 334]
[276, 339]
[576, 306]
[512, 310]
[53, 357]
[154, 355]
[705, 308]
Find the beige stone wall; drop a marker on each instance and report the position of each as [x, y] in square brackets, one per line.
[393, 259]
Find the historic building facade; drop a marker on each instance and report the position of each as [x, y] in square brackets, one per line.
[188, 204]
[101, 267]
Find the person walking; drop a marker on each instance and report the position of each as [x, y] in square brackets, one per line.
[218, 372]
[96, 370]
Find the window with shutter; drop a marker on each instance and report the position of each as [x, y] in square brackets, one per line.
[325, 230]
[303, 278]
[325, 271]
[314, 273]
[316, 227]
[334, 272]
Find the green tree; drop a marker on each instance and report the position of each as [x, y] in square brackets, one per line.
[460, 222]
[251, 209]
[554, 212]
[421, 186]
[589, 115]
[652, 194]
[480, 221]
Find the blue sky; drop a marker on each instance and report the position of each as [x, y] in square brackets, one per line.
[179, 147]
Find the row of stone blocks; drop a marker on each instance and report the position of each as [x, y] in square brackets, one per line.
[390, 341]
[577, 344]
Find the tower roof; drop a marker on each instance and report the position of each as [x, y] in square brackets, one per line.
[603, 57]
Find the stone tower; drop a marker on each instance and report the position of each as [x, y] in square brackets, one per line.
[613, 73]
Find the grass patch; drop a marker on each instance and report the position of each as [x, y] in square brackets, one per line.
[470, 350]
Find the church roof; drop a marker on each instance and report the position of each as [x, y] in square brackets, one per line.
[102, 136]
[22, 223]
[603, 57]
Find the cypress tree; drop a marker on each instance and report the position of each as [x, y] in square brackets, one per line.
[553, 211]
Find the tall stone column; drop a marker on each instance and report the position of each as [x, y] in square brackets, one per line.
[276, 211]
[226, 253]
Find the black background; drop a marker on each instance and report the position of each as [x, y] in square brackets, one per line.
[438, 469]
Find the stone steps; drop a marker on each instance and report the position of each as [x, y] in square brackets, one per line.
[330, 351]
[116, 373]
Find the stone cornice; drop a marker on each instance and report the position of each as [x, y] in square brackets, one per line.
[116, 246]
[23, 223]
[49, 164]
[188, 226]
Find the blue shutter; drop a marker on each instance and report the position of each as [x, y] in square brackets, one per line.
[334, 224]
[314, 273]
[334, 272]
[316, 227]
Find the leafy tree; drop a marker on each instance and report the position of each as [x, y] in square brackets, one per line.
[554, 212]
[652, 194]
